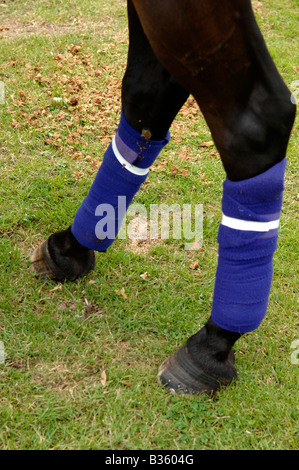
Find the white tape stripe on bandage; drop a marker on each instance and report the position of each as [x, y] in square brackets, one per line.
[127, 165]
[249, 225]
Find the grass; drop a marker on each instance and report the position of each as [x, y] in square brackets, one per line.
[81, 358]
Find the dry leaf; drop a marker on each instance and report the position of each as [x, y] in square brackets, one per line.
[74, 100]
[183, 172]
[144, 275]
[59, 287]
[77, 175]
[194, 264]
[160, 166]
[122, 293]
[103, 378]
[127, 384]
[214, 152]
[183, 153]
[174, 170]
[197, 272]
[209, 143]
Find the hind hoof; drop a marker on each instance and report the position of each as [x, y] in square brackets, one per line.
[181, 375]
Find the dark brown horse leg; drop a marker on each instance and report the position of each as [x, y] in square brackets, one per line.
[151, 99]
[216, 51]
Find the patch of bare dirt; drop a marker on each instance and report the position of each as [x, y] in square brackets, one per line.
[139, 239]
[13, 28]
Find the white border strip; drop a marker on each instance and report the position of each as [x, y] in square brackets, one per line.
[249, 225]
[127, 165]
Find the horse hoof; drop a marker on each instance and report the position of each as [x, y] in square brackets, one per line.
[41, 263]
[181, 375]
[43, 266]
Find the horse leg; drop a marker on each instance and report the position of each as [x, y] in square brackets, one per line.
[216, 51]
[151, 98]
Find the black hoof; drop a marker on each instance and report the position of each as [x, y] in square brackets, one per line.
[43, 265]
[182, 375]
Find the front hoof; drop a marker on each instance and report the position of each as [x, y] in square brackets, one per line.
[43, 265]
[180, 374]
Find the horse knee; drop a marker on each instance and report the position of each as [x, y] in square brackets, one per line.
[151, 98]
[258, 134]
[137, 98]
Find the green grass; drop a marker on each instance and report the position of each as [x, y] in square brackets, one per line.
[81, 359]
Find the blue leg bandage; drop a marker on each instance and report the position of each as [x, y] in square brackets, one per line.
[124, 168]
[247, 241]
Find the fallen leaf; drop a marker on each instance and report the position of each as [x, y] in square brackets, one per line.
[194, 264]
[74, 100]
[77, 175]
[144, 275]
[122, 293]
[103, 378]
[183, 153]
[183, 172]
[209, 143]
[59, 287]
[214, 152]
[160, 166]
[127, 384]
[197, 272]
[174, 170]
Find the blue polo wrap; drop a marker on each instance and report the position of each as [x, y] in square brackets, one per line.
[125, 167]
[247, 240]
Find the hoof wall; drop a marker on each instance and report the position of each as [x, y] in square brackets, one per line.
[40, 265]
[44, 267]
[179, 374]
